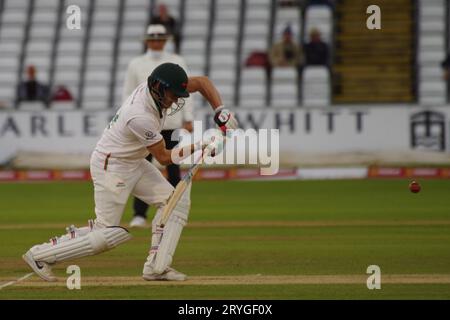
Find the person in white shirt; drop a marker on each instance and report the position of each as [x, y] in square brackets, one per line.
[138, 70]
[119, 169]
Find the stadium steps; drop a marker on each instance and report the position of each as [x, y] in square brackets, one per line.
[284, 89]
[374, 66]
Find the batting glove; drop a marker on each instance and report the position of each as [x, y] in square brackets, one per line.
[225, 119]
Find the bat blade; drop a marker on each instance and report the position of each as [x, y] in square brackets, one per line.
[173, 200]
[178, 192]
[181, 187]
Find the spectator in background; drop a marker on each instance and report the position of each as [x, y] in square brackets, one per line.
[32, 89]
[62, 94]
[286, 53]
[316, 51]
[163, 17]
[446, 68]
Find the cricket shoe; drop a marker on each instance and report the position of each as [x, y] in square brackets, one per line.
[138, 222]
[169, 274]
[42, 269]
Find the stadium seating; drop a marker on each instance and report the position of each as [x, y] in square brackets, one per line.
[195, 31]
[92, 62]
[223, 48]
[316, 88]
[285, 80]
[284, 87]
[431, 52]
[134, 23]
[194, 34]
[12, 32]
[69, 53]
[316, 79]
[255, 39]
[40, 42]
[99, 61]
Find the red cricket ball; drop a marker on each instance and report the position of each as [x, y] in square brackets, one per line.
[414, 186]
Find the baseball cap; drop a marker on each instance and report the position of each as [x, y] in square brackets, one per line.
[156, 32]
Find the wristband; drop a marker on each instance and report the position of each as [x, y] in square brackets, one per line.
[219, 108]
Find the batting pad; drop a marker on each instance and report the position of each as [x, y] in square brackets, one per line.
[172, 232]
[92, 243]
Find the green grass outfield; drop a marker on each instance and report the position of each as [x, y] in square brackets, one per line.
[249, 240]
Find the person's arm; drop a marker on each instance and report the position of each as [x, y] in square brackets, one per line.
[188, 115]
[188, 109]
[224, 118]
[159, 151]
[206, 88]
[167, 157]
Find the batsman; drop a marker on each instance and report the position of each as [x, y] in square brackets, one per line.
[119, 169]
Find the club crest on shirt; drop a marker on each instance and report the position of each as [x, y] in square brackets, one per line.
[149, 135]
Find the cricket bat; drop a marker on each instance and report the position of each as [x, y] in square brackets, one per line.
[179, 190]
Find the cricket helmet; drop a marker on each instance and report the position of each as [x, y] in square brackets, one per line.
[168, 76]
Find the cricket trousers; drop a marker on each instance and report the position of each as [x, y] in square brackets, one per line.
[112, 190]
[173, 175]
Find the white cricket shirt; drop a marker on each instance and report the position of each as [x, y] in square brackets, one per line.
[136, 126]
